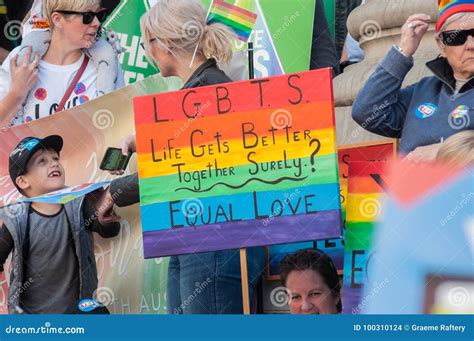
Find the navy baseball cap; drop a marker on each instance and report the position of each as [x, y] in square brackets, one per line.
[25, 150]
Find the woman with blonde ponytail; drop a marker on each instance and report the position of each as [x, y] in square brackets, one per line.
[179, 42]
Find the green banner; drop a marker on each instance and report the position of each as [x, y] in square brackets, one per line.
[282, 37]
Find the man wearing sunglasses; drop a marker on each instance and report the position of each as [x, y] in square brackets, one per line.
[424, 114]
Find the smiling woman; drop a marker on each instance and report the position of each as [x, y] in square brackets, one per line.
[33, 87]
[312, 283]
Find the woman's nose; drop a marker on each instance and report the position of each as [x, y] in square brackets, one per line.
[306, 305]
[95, 22]
[470, 42]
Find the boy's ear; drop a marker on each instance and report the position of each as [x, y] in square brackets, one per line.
[22, 183]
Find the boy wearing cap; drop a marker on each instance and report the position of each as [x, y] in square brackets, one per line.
[52, 244]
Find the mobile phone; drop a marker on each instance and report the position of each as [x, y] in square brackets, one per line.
[114, 160]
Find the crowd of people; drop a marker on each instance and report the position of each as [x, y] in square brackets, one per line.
[36, 81]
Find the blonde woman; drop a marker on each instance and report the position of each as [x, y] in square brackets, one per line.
[33, 90]
[458, 149]
[177, 38]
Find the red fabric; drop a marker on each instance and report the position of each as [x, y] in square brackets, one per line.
[450, 12]
[73, 84]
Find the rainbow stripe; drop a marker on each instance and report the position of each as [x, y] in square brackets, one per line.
[238, 19]
[448, 8]
[363, 208]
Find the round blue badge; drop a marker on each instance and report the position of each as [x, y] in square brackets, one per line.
[87, 305]
[426, 110]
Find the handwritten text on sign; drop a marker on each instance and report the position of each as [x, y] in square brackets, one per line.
[237, 153]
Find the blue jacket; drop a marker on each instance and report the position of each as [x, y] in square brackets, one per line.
[421, 114]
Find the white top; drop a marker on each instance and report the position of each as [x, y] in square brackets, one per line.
[52, 84]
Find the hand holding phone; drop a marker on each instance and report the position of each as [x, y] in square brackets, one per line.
[114, 160]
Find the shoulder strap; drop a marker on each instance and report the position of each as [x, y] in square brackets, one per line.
[73, 84]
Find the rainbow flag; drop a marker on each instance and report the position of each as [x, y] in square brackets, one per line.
[363, 209]
[238, 19]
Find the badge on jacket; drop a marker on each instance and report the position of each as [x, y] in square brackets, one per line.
[426, 110]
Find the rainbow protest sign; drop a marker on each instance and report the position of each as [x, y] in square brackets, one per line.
[238, 165]
[383, 150]
[365, 187]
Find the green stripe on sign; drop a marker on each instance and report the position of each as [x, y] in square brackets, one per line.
[164, 188]
[358, 236]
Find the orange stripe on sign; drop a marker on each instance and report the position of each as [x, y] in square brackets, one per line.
[313, 116]
[265, 93]
[365, 184]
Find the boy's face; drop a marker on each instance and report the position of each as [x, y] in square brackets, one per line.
[44, 174]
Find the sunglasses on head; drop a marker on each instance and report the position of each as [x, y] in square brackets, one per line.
[88, 17]
[456, 37]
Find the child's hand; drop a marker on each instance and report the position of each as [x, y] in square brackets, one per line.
[25, 75]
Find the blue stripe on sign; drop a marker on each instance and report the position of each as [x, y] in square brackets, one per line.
[222, 209]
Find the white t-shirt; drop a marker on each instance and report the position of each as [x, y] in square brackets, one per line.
[52, 84]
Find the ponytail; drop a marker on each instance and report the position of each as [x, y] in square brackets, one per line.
[182, 23]
[217, 43]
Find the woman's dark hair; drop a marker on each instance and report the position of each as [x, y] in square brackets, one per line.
[316, 260]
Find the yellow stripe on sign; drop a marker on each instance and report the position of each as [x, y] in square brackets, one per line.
[3, 9]
[237, 155]
[363, 207]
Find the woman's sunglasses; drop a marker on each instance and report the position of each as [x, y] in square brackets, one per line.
[456, 37]
[88, 17]
[142, 44]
